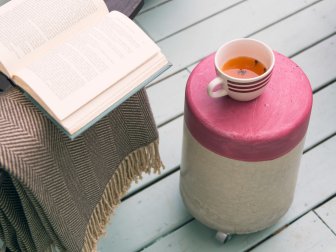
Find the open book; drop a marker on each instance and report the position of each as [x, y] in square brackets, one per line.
[73, 58]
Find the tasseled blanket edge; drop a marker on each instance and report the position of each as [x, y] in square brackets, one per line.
[144, 159]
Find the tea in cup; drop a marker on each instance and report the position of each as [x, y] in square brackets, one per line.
[244, 68]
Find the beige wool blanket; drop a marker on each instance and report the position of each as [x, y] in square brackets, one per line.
[58, 192]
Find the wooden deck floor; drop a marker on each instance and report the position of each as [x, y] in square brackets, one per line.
[152, 216]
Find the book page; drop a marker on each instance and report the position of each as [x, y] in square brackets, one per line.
[80, 69]
[113, 96]
[27, 25]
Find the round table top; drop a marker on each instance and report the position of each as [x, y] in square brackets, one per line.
[262, 129]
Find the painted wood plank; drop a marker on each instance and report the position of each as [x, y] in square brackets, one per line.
[315, 183]
[327, 212]
[190, 49]
[322, 22]
[319, 62]
[167, 97]
[311, 24]
[170, 150]
[323, 117]
[150, 4]
[177, 15]
[306, 234]
[129, 227]
[192, 237]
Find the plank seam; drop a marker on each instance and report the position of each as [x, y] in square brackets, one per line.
[201, 20]
[153, 7]
[325, 201]
[171, 231]
[312, 45]
[283, 18]
[323, 86]
[152, 182]
[287, 225]
[319, 142]
[332, 231]
[276, 231]
[170, 120]
[155, 82]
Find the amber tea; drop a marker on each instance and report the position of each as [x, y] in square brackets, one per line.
[243, 67]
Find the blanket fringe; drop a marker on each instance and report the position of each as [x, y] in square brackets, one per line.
[144, 159]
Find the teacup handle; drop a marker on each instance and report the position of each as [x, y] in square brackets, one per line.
[219, 93]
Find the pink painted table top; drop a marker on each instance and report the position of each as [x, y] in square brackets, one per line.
[262, 129]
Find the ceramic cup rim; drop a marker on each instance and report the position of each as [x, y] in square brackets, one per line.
[242, 80]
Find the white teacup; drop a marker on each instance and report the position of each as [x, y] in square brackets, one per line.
[239, 88]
